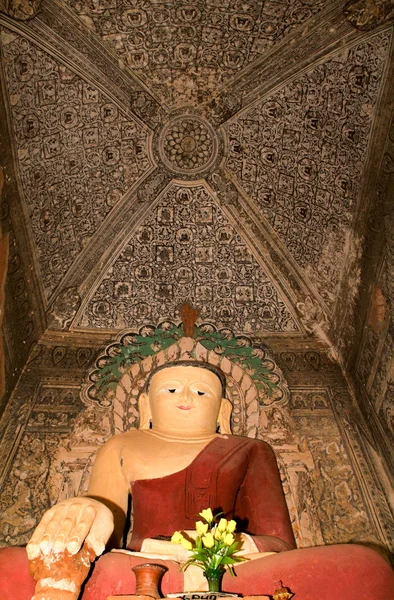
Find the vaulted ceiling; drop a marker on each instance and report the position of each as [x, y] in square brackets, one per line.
[220, 152]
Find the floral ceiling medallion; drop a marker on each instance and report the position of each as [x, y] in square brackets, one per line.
[188, 146]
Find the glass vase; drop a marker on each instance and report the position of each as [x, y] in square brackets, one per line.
[214, 578]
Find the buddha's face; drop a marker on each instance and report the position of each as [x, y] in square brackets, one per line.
[185, 398]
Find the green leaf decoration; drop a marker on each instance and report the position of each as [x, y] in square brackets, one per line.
[135, 347]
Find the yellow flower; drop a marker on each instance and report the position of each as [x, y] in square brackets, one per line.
[228, 539]
[218, 534]
[231, 526]
[201, 527]
[222, 525]
[207, 515]
[177, 537]
[186, 544]
[208, 540]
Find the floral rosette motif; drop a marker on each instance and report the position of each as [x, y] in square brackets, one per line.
[188, 144]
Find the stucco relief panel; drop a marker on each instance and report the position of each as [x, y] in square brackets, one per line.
[386, 412]
[25, 496]
[55, 411]
[301, 362]
[384, 371]
[337, 495]
[298, 155]
[78, 154]
[27, 491]
[59, 357]
[164, 41]
[375, 360]
[187, 250]
[19, 309]
[323, 494]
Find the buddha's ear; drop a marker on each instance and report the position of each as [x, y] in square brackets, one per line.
[144, 410]
[224, 416]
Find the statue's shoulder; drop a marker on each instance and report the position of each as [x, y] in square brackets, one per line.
[122, 440]
[250, 444]
[260, 453]
[240, 439]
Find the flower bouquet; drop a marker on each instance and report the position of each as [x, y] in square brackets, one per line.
[213, 549]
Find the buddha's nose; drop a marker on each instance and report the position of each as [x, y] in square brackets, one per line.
[187, 396]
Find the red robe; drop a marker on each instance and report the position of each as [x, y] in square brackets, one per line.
[234, 475]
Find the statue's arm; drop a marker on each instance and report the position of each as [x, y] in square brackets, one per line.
[261, 503]
[68, 524]
[110, 485]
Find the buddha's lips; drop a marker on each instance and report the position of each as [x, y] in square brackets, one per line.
[184, 407]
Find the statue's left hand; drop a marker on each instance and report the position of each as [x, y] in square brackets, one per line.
[68, 524]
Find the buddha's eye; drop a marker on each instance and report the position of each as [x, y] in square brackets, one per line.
[171, 390]
[200, 393]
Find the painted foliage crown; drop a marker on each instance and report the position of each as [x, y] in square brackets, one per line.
[168, 343]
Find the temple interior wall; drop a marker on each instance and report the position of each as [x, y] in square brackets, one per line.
[286, 231]
[371, 360]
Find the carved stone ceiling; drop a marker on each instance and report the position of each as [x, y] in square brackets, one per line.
[211, 151]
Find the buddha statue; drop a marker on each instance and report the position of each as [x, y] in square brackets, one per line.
[175, 465]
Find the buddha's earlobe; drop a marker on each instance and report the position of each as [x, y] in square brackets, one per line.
[144, 410]
[224, 416]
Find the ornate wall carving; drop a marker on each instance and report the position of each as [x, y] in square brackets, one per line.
[4, 248]
[187, 249]
[183, 52]
[30, 437]
[372, 364]
[22, 320]
[20, 9]
[375, 363]
[79, 147]
[78, 153]
[289, 153]
[368, 14]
